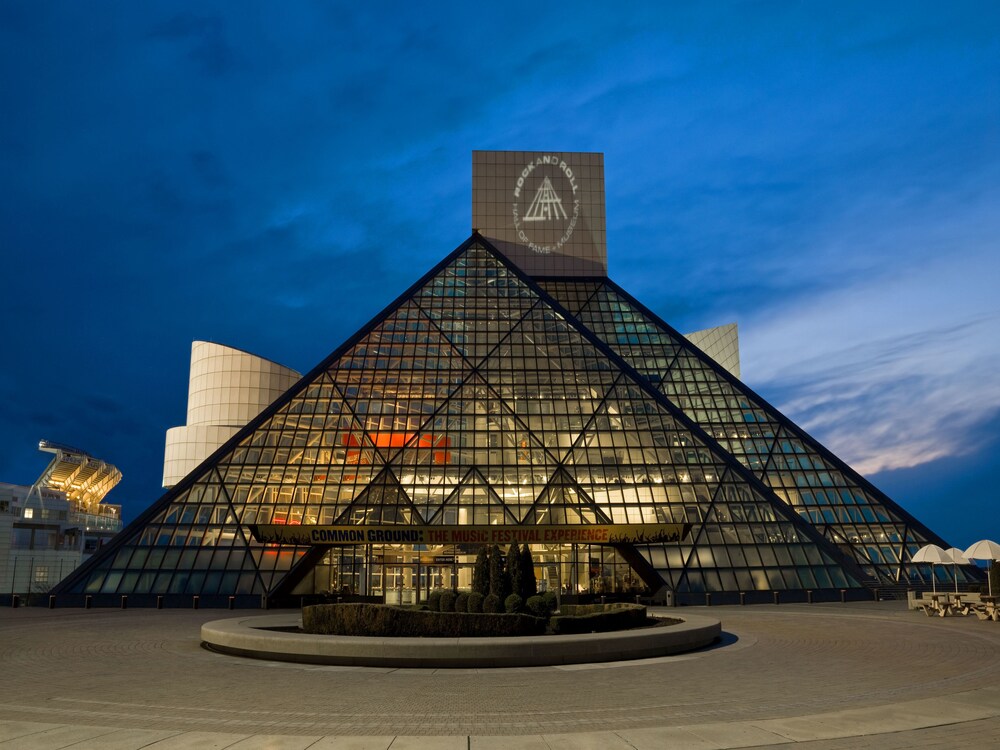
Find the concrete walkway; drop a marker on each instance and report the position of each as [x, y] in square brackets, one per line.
[821, 676]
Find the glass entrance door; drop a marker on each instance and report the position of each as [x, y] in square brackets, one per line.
[399, 583]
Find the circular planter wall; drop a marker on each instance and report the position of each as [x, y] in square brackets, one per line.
[269, 637]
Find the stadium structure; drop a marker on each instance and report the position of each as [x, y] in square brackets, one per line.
[49, 527]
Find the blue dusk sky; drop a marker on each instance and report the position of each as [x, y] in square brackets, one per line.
[270, 176]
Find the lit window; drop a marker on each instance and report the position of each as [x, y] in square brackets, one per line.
[29, 512]
[42, 574]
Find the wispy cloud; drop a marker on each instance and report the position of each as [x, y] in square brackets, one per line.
[889, 373]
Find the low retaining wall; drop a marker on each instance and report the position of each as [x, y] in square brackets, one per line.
[259, 638]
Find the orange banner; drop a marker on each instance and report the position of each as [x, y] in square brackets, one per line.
[434, 535]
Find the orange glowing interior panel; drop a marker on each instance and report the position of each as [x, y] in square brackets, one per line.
[394, 440]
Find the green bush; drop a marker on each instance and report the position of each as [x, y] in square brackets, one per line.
[550, 600]
[541, 605]
[514, 569]
[481, 573]
[434, 601]
[379, 620]
[597, 618]
[462, 602]
[447, 601]
[499, 574]
[527, 565]
[492, 605]
[536, 606]
[590, 609]
[513, 603]
[475, 603]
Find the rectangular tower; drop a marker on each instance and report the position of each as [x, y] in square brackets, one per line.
[544, 210]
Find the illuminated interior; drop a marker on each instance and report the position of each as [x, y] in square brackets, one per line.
[483, 396]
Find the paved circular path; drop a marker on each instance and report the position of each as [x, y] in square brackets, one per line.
[868, 667]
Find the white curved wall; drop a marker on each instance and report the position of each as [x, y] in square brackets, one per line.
[187, 446]
[226, 389]
[721, 344]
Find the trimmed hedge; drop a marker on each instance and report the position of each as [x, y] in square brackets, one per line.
[492, 605]
[597, 618]
[447, 601]
[462, 602]
[475, 604]
[578, 610]
[387, 621]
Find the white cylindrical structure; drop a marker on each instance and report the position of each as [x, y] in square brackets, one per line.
[226, 389]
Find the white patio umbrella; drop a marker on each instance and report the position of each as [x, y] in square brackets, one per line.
[957, 558]
[984, 549]
[934, 555]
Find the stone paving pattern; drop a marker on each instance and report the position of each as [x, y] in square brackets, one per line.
[820, 676]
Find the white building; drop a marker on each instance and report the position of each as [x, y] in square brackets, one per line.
[227, 388]
[48, 528]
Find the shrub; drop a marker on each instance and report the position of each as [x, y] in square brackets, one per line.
[536, 606]
[513, 603]
[541, 605]
[597, 618]
[491, 605]
[481, 573]
[434, 601]
[447, 601]
[475, 603]
[527, 566]
[383, 621]
[514, 569]
[499, 575]
[462, 602]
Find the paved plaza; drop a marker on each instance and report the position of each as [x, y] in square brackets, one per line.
[819, 676]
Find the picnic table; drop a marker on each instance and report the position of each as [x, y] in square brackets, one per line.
[988, 608]
[943, 605]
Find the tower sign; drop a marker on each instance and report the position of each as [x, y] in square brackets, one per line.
[543, 210]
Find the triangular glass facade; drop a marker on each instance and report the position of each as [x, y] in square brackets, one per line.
[826, 492]
[477, 399]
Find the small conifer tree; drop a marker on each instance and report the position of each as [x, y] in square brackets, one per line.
[514, 568]
[527, 567]
[481, 573]
[496, 571]
[499, 575]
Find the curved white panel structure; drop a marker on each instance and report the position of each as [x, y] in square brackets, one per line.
[226, 389]
[721, 344]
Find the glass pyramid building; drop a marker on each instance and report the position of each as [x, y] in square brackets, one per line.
[487, 400]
